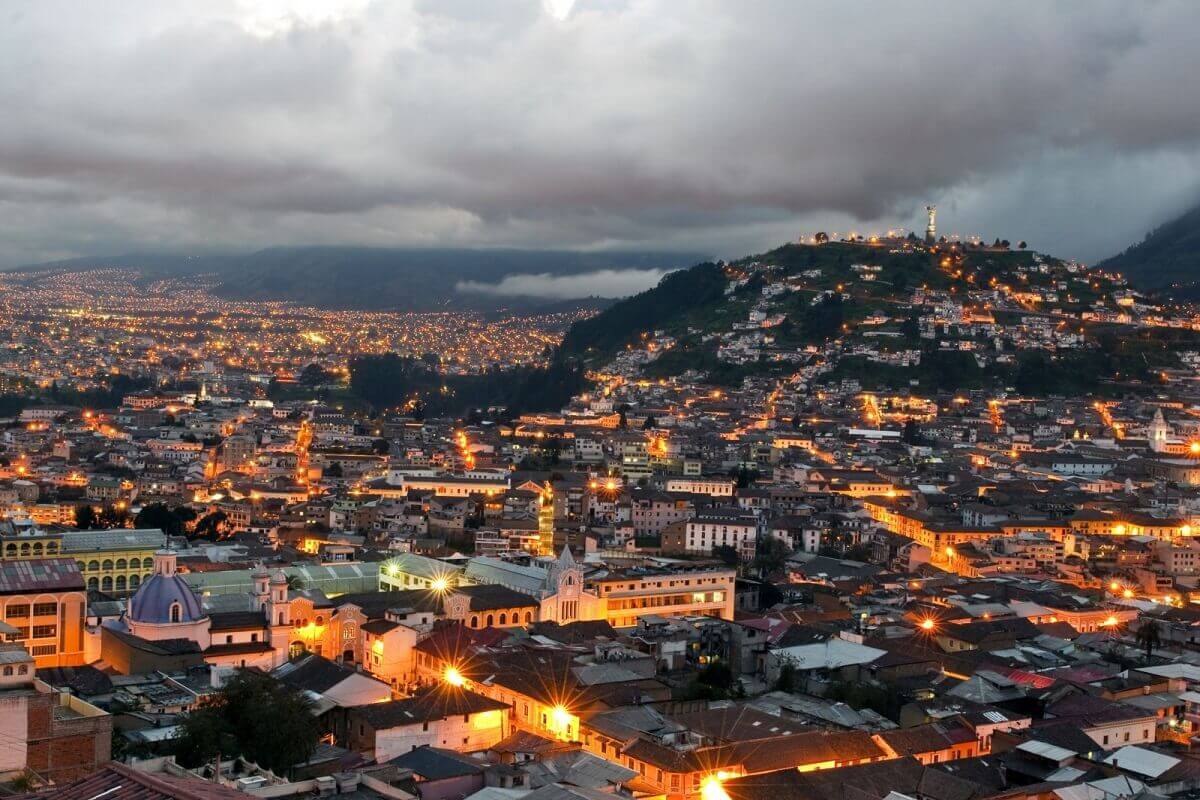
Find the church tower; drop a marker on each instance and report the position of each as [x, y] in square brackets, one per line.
[546, 521]
[931, 225]
[1160, 431]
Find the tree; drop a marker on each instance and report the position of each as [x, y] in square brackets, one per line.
[209, 526]
[113, 516]
[786, 682]
[85, 517]
[821, 237]
[1149, 637]
[1021, 245]
[727, 554]
[911, 433]
[315, 375]
[158, 515]
[772, 556]
[255, 716]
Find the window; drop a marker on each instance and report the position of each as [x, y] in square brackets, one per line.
[17, 610]
[45, 609]
[44, 631]
[176, 611]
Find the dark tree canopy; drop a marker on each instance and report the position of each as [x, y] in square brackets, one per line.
[254, 716]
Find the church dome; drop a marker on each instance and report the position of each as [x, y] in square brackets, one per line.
[165, 596]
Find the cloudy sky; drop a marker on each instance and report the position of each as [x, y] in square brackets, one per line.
[724, 127]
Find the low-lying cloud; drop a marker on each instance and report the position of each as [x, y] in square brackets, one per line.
[606, 283]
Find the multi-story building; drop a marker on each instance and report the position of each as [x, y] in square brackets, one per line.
[115, 561]
[57, 736]
[44, 600]
[722, 527]
[628, 595]
[715, 486]
[24, 542]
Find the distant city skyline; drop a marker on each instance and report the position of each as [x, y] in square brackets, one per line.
[714, 127]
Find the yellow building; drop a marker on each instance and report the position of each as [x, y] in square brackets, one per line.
[114, 561]
[18, 544]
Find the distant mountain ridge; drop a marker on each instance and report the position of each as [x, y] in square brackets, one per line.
[375, 279]
[1169, 254]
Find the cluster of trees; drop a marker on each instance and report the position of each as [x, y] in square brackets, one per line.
[254, 716]
[392, 380]
[109, 516]
[172, 521]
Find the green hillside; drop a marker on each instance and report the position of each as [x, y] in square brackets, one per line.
[1170, 254]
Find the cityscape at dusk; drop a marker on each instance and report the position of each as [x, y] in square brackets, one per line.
[587, 400]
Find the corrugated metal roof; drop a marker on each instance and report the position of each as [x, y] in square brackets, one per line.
[115, 539]
[1142, 761]
[39, 575]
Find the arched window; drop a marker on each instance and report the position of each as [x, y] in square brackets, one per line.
[176, 612]
[106, 584]
[51, 547]
[37, 548]
[23, 669]
[93, 584]
[135, 563]
[81, 565]
[93, 566]
[10, 551]
[121, 563]
[120, 584]
[8, 671]
[528, 617]
[490, 620]
[320, 620]
[474, 620]
[503, 618]
[135, 581]
[107, 565]
[24, 548]
[280, 618]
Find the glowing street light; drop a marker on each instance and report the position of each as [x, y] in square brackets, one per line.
[440, 584]
[928, 624]
[453, 677]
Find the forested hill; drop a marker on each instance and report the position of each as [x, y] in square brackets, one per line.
[676, 296]
[1170, 254]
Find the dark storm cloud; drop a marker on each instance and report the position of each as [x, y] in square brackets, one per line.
[712, 125]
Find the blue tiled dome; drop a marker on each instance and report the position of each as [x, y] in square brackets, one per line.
[154, 599]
